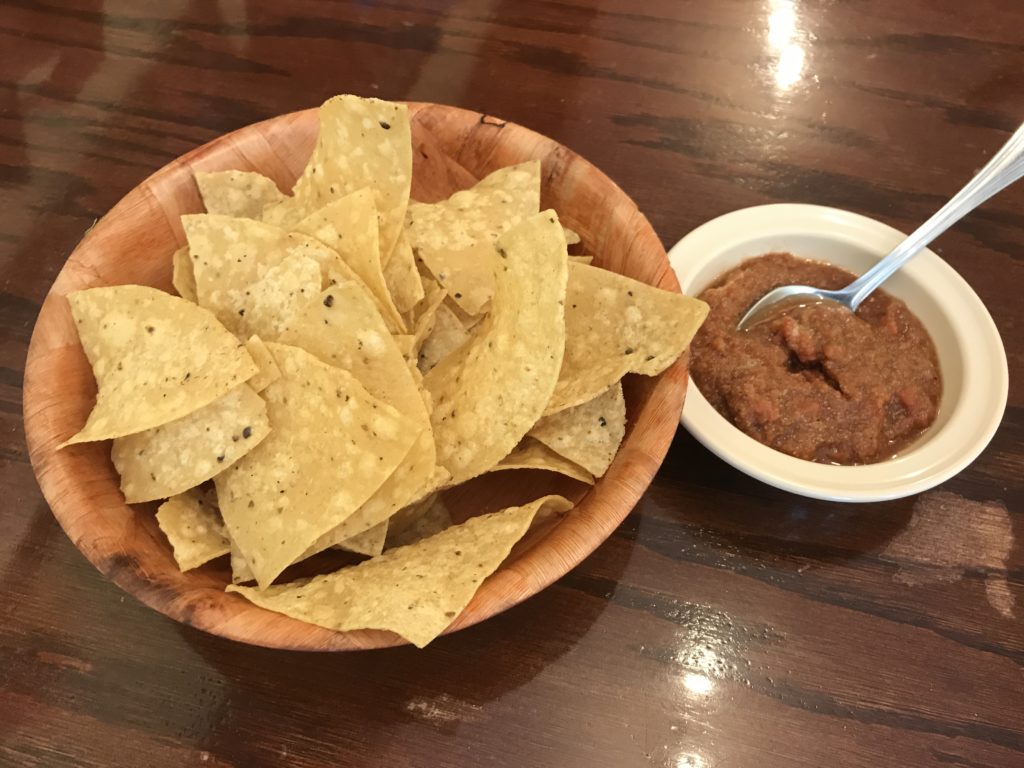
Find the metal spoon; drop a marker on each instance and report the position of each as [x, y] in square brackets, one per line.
[1005, 167]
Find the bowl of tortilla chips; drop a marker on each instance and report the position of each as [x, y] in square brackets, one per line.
[356, 376]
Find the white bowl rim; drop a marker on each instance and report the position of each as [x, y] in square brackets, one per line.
[974, 417]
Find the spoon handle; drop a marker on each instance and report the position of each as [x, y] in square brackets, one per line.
[1005, 167]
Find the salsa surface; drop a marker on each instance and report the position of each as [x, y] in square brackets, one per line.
[817, 382]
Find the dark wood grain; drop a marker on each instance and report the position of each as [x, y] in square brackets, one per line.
[724, 623]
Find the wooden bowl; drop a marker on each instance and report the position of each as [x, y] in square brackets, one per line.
[133, 243]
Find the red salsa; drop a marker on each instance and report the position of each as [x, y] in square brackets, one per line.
[816, 382]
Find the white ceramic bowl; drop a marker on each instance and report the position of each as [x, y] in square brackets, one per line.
[971, 355]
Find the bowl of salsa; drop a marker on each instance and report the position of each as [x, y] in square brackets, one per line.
[820, 402]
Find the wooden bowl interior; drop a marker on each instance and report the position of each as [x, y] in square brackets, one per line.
[133, 243]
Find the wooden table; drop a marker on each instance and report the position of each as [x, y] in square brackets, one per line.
[725, 623]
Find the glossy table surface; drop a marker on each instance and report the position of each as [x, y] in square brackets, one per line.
[725, 623]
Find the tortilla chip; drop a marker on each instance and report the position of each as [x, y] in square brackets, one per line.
[369, 512]
[155, 357]
[233, 251]
[588, 434]
[452, 237]
[342, 328]
[370, 542]
[272, 304]
[447, 335]
[237, 193]
[423, 521]
[230, 255]
[532, 454]
[582, 259]
[404, 342]
[363, 144]
[241, 573]
[467, 275]
[424, 315]
[182, 277]
[174, 457]
[409, 514]
[416, 591]
[268, 370]
[349, 227]
[488, 209]
[194, 529]
[615, 325]
[402, 277]
[488, 394]
[433, 292]
[333, 445]
[469, 322]
[571, 238]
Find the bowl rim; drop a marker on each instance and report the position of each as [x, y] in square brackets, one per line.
[974, 416]
[216, 612]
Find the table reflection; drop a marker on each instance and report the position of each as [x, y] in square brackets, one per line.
[784, 43]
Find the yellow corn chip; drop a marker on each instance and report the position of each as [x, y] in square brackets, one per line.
[588, 434]
[402, 277]
[268, 370]
[331, 448]
[194, 529]
[363, 144]
[404, 342]
[237, 193]
[467, 275]
[571, 238]
[272, 304]
[369, 542]
[469, 322]
[446, 336]
[433, 292]
[415, 591]
[493, 389]
[181, 454]
[582, 259]
[344, 329]
[490, 208]
[241, 573]
[407, 515]
[421, 522]
[615, 325]
[423, 316]
[532, 454]
[231, 254]
[183, 278]
[155, 357]
[382, 503]
[453, 237]
[349, 227]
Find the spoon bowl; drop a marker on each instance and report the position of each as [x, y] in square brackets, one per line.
[780, 300]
